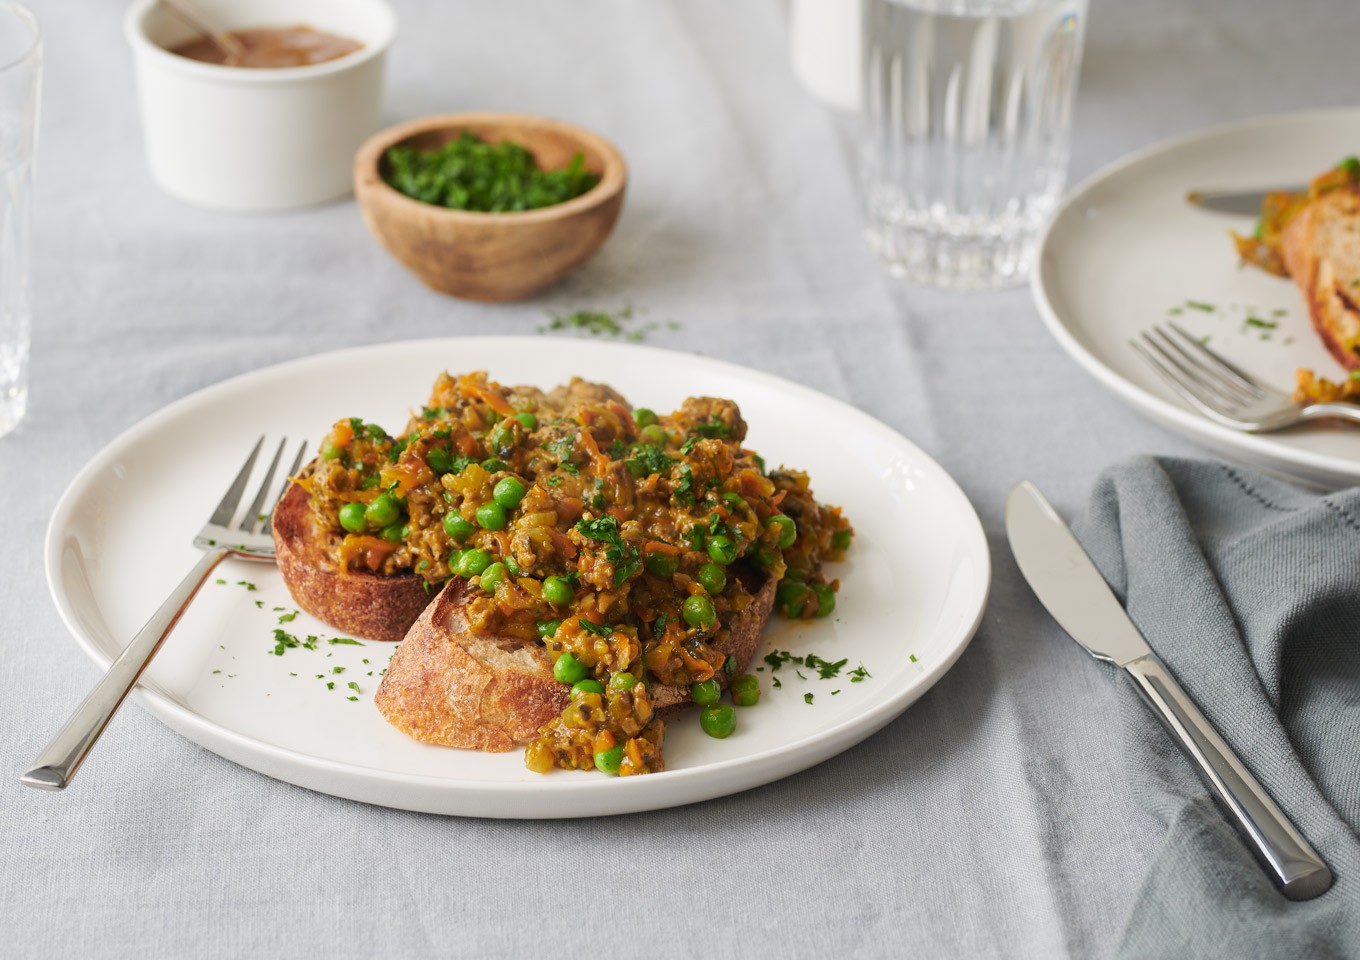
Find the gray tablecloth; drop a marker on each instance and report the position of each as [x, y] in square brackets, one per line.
[994, 818]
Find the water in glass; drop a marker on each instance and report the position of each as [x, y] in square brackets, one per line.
[967, 107]
[20, 57]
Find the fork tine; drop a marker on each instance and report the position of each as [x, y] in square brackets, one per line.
[287, 477]
[1226, 368]
[251, 521]
[1175, 382]
[223, 514]
[1207, 371]
[1186, 379]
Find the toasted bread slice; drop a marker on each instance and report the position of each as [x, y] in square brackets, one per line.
[1321, 251]
[356, 602]
[446, 685]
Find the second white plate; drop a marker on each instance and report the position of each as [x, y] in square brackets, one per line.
[1126, 252]
[912, 594]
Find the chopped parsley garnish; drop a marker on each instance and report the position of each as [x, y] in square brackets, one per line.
[244, 583]
[599, 629]
[649, 459]
[353, 685]
[553, 481]
[624, 557]
[288, 617]
[688, 446]
[713, 428]
[659, 625]
[807, 698]
[684, 490]
[1258, 322]
[859, 674]
[1201, 306]
[471, 174]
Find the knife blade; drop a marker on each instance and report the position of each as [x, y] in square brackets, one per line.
[1238, 203]
[1070, 587]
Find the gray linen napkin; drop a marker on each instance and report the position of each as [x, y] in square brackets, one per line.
[1249, 590]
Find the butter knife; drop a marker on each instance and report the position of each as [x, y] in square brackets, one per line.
[1238, 203]
[1070, 587]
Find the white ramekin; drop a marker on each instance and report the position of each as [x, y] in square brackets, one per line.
[257, 140]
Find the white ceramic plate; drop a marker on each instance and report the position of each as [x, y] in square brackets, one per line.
[1126, 249]
[912, 593]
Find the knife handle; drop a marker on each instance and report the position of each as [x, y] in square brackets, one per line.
[1294, 865]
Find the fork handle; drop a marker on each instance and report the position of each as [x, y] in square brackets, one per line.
[1294, 865]
[1339, 410]
[61, 758]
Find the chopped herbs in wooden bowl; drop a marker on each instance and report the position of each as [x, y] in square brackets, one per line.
[468, 173]
[490, 206]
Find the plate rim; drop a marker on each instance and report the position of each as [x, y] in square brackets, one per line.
[228, 742]
[1179, 418]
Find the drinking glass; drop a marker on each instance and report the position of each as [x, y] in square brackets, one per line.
[20, 70]
[966, 115]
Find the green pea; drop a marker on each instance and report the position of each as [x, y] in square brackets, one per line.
[491, 516]
[352, 517]
[513, 567]
[788, 530]
[509, 492]
[662, 565]
[383, 511]
[609, 761]
[393, 533]
[492, 576]
[698, 611]
[712, 578]
[734, 499]
[330, 450]
[826, 599]
[644, 417]
[546, 628]
[655, 435]
[705, 693]
[457, 528]
[492, 465]
[502, 440]
[745, 690]
[791, 597]
[722, 549]
[718, 721]
[764, 557]
[473, 562]
[558, 591]
[439, 460]
[622, 681]
[529, 421]
[586, 686]
[568, 669]
[840, 540]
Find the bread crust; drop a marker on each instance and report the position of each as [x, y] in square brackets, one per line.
[1321, 250]
[358, 603]
[446, 685]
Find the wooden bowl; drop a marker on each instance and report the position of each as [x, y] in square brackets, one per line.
[492, 256]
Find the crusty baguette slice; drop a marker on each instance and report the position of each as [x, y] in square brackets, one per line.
[358, 602]
[446, 685]
[1321, 250]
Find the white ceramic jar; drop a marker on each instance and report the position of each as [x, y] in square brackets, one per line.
[258, 139]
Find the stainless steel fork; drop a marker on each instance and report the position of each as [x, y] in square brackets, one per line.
[229, 532]
[1222, 391]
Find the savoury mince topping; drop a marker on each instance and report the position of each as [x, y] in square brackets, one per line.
[625, 541]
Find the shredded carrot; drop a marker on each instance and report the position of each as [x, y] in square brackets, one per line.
[702, 669]
[485, 393]
[343, 434]
[598, 461]
[658, 546]
[371, 550]
[304, 482]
